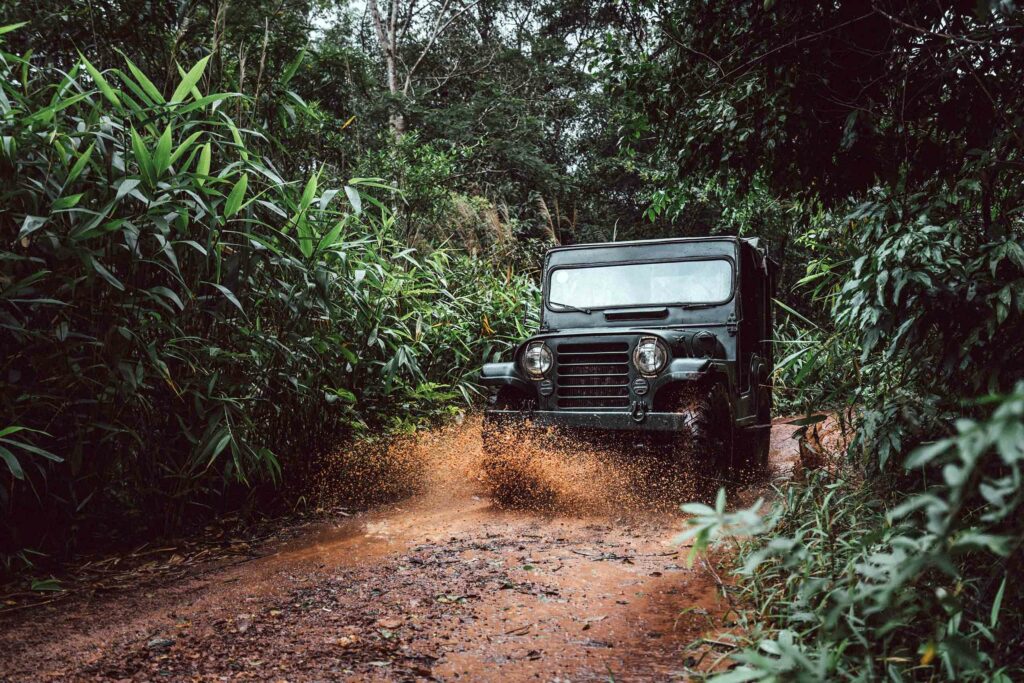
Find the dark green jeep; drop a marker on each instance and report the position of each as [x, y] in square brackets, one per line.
[670, 337]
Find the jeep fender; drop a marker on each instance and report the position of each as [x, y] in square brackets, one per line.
[693, 371]
[503, 374]
[688, 369]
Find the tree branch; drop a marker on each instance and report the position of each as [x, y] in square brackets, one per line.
[438, 30]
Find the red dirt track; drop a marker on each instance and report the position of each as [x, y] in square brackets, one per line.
[443, 585]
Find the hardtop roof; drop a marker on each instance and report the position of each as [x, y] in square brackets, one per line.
[726, 246]
[664, 240]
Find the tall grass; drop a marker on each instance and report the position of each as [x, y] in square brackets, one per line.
[179, 323]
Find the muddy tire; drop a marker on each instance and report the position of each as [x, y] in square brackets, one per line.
[509, 483]
[510, 477]
[502, 482]
[711, 437]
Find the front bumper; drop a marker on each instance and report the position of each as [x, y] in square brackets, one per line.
[608, 420]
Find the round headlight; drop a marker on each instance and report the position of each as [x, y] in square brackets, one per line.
[537, 360]
[650, 356]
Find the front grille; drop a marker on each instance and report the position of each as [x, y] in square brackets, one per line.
[594, 375]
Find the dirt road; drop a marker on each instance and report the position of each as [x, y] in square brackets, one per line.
[441, 586]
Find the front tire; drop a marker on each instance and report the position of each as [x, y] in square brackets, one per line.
[712, 433]
[501, 463]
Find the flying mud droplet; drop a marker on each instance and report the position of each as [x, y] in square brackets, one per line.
[559, 472]
[538, 470]
[435, 462]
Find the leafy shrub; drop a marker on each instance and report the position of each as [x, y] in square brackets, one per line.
[923, 590]
[888, 572]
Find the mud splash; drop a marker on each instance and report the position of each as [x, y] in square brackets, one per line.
[540, 471]
[553, 472]
[439, 583]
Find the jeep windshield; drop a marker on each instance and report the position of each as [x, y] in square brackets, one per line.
[662, 283]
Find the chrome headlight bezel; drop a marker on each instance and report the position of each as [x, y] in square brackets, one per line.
[645, 346]
[537, 360]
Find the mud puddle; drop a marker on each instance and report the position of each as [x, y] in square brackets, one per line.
[444, 585]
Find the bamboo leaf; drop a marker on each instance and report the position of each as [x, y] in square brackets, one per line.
[144, 82]
[46, 585]
[126, 186]
[189, 80]
[130, 83]
[79, 165]
[12, 463]
[47, 113]
[292, 68]
[184, 146]
[30, 225]
[203, 165]
[219, 447]
[996, 604]
[331, 238]
[234, 201]
[143, 158]
[67, 202]
[355, 199]
[308, 193]
[11, 27]
[201, 102]
[237, 137]
[793, 313]
[230, 296]
[106, 274]
[168, 293]
[162, 154]
[305, 238]
[100, 81]
[35, 450]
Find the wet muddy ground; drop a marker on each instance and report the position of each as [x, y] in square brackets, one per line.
[444, 585]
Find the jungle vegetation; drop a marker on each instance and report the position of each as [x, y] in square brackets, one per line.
[236, 232]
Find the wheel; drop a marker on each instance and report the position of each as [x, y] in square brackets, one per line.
[513, 476]
[712, 434]
[495, 445]
[503, 459]
[503, 481]
[496, 429]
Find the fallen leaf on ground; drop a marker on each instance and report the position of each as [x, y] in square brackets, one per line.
[160, 643]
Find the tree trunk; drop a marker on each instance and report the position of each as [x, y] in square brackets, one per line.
[387, 40]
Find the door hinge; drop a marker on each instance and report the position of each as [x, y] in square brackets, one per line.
[732, 324]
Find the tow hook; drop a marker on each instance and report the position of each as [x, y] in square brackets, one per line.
[638, 411]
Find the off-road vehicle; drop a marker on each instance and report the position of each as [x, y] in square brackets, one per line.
[670, 337]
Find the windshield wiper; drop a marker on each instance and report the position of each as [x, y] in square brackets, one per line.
[569, 307]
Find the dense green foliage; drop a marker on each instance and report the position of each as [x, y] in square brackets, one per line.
[895, 130]
[195, 299]
[179, 320]
[506, 92]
